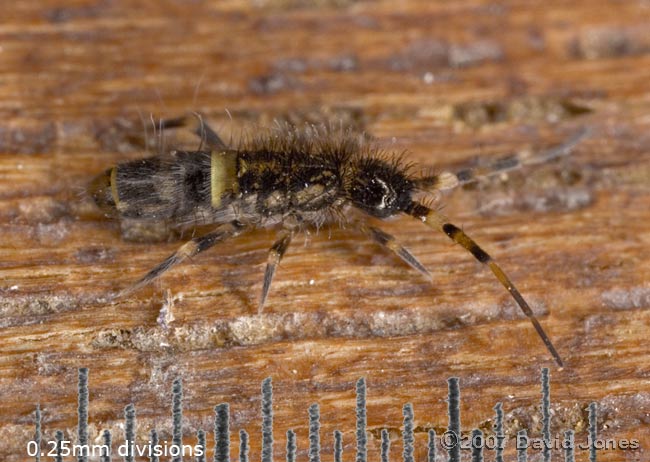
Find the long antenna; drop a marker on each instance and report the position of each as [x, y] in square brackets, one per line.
[437, 221]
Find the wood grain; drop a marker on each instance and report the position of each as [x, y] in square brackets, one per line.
[453, 84]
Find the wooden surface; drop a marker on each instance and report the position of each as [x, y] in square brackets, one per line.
[451, 82]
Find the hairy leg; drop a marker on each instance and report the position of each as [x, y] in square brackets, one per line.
[199, 127]
[389, 242]
[189, 249]
[276, 252]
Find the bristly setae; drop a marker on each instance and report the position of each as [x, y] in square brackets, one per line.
[290, 178]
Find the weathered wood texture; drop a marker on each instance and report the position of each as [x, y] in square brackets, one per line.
[451, 82]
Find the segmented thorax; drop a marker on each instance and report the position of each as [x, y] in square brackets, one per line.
[276, 184]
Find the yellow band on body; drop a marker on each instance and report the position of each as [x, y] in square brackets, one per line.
[223, 175]
[116, 198]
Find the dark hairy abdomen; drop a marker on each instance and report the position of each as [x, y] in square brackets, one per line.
[160, 188]
[289, 182]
